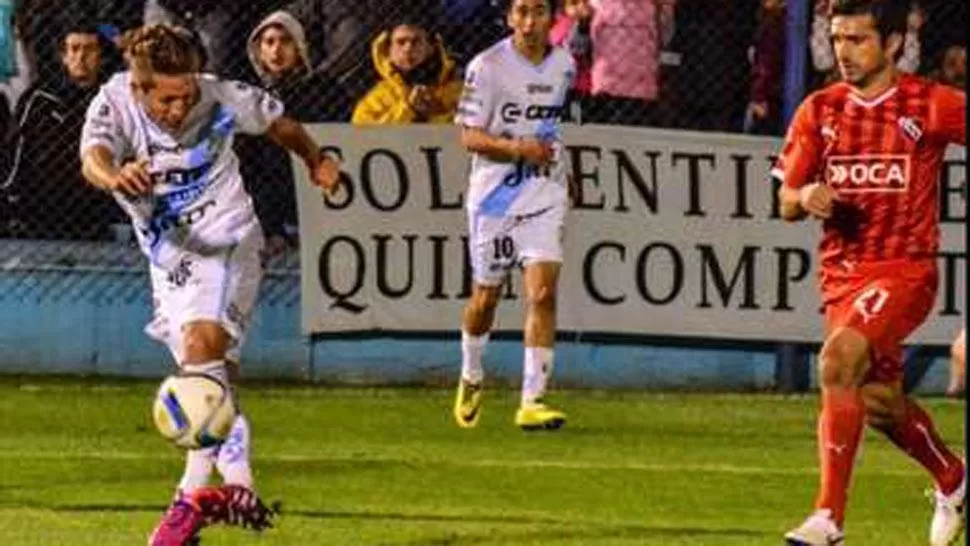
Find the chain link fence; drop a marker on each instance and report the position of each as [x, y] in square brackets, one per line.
[710, 65]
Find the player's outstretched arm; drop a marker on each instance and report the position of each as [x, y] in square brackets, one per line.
[98, 168]
[507, 150]
[290, 134]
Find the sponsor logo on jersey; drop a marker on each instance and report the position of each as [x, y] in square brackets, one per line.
[539, 88]
[513, 112]
[868, 173]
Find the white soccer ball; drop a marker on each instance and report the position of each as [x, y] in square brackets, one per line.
[194, 411]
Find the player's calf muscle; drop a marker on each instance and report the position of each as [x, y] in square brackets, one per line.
[480, 310]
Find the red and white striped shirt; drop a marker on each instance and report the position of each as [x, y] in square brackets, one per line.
[883, 156]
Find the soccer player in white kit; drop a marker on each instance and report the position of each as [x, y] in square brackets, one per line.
[159, 138]
[515, 94]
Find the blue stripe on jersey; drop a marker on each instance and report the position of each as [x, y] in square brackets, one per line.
[195, 178]
[500, 199]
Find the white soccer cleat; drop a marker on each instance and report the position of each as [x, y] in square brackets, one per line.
[818, 530]
[948, 516]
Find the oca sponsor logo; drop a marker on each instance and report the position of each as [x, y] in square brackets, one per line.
[868, 173]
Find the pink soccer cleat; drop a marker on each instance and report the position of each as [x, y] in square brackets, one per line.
[179, 526]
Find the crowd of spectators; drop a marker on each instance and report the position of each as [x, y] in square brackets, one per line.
[708, 65]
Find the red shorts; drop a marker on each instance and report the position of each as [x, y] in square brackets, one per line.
[885, 302]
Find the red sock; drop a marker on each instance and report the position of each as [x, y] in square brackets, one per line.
[917, 436]
[839, 434]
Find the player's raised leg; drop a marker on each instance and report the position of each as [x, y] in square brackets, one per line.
[958, 365]
[843, 362]
[476, 324]
[911, 429]
[540, 280]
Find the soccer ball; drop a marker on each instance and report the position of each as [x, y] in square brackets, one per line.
[194, 411]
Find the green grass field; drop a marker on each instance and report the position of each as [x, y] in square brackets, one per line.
[80, 465]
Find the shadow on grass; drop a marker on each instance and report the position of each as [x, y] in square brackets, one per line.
[551, 528]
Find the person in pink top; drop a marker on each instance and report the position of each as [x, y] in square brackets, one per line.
[571, 30]
[627, 37]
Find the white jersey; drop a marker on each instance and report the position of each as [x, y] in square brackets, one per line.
[198, 202]
[507, 95]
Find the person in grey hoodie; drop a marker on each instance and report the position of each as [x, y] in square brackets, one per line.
[279, 54]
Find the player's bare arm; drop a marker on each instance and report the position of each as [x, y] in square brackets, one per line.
[290, 134]
[98, 167]
[509, 150]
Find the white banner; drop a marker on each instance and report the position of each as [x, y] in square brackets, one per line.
[674, 236]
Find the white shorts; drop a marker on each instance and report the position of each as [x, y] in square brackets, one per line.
[496, 244]
[220, 287]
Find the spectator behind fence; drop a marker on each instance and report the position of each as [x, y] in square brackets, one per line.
[280, 57]
[627, 38]
[470, 26]
[952, 67]
[221, 25]
[571, 30]
[709, 87]
[338, 38]
[419, 81]
[45, 196]
[767, 71]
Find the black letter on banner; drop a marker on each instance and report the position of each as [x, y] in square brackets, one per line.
[368, 188]
[382, 266]
[775, 186]
[508, 285]
[580, 176]
[434, 177]
[588, 281]
[624, 165]
[694, 178]
[438, 267]
[678, 274]
[949, 185]
[745, 267]
[741, 186]
[343, 181]
[786, 277]
[341, 299]
[467, 275]
[951, 261]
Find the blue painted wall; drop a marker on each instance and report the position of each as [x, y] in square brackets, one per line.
[76, 318]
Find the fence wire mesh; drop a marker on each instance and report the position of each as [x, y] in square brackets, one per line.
[714, 65]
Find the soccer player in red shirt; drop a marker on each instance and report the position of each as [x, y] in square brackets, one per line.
[863, 156]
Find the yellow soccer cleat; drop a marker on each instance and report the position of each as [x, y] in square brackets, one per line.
[538, 416]
[468, 404]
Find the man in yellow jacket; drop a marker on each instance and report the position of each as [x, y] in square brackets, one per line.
[419, 81]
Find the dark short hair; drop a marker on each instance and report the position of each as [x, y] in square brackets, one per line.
[79, 28]
[552, 4]
[891, 15]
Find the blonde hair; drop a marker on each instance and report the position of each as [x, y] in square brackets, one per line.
[161, 49]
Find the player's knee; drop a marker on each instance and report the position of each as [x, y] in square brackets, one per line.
[483, 300]
[842, 359]
[543, 297]
[884, 404]
[958, 349]
[204, 342]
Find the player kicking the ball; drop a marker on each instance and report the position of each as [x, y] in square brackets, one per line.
[864, 157]
[159, 138]
[517, 199]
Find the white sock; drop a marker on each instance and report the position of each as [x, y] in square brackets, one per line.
[472, 353]
[198, 468]
[233, 459]
[215, 369]
[535, 373]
